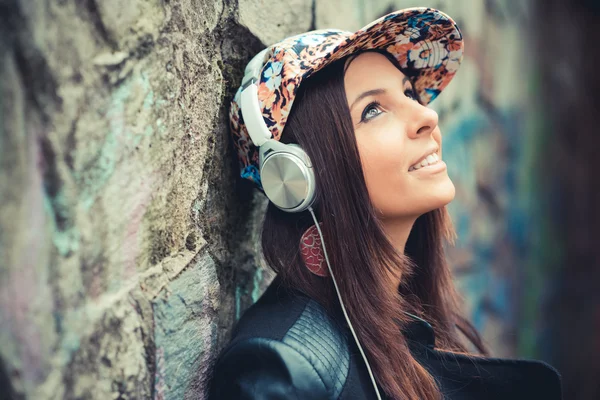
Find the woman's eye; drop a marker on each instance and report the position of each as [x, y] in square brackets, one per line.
[370, 112]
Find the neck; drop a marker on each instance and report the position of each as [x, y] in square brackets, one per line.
[397, 231]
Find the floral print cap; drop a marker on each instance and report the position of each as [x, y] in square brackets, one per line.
[427, 44]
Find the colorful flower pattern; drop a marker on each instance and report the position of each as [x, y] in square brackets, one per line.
[426, 42]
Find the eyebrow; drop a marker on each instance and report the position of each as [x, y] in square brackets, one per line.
[374, 92]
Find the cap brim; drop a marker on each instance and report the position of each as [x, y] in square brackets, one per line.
[427, 44]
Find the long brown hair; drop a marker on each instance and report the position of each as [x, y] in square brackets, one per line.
[362, 258]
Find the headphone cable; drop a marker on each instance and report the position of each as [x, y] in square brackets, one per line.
[342, 304]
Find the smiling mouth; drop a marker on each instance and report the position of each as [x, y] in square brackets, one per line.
[431, 159]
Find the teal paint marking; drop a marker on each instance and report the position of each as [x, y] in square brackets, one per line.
[161, 127]
[237, 303]
[149, 99]
[239, 293]
[258, 277]
[71, 343]
[94, 176]
[65, 240]
[197, 206]
[147, 133]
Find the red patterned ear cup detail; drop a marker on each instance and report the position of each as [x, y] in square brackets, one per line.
[312, 252]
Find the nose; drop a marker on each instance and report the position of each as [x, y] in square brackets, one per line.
[424, 122]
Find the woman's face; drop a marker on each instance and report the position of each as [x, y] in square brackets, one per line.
[394, 132]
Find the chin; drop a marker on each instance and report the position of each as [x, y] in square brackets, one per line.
[446, 193]
[442, 195]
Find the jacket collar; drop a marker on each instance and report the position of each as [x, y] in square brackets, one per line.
[420, 331]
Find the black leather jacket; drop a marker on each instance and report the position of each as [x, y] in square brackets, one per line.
[286, 346]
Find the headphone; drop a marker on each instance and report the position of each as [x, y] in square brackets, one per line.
[286, 172]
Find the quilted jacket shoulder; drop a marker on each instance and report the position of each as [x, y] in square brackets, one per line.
[316, 337]
[283, 347]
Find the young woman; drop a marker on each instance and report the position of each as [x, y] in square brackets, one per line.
[363, 305]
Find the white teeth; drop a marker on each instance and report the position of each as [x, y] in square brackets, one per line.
[430, 159]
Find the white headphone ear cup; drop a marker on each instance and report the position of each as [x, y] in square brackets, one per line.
[287, 180]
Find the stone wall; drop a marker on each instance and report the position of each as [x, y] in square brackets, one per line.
[119, 212]
[128, 244]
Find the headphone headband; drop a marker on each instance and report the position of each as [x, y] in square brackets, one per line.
[255, 124]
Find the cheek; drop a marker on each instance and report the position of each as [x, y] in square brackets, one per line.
[437, 136]
[383, 162]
